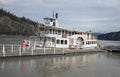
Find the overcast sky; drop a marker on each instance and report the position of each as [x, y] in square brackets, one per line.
[84, 15]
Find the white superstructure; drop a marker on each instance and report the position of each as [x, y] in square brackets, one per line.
[51, 35]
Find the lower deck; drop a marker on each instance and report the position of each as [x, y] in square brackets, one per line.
[44, 52]
[56, 42]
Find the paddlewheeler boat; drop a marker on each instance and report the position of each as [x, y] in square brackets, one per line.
[50, 34]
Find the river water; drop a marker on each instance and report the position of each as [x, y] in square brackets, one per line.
[109, 43]
[98, 64]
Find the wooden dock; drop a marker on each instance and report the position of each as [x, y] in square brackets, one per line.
[112, 48]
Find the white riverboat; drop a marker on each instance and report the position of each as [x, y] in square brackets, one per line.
[52, 35]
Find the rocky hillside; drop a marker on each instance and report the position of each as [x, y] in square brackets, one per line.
[10, 24]
[110, 36]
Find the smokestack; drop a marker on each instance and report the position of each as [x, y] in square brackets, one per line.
[56, 15]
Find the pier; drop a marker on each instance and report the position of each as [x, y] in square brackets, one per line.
[9, 50]
[112, 48]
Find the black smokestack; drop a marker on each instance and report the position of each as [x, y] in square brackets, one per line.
[56, 15]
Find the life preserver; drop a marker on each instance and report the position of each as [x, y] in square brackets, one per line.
[48, 44]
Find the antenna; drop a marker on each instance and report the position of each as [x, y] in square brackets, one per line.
[53, 14]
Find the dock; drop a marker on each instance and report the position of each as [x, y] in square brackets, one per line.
[112, 48]
[7, 51]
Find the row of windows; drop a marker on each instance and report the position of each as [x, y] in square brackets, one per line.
[46, 39]
[61, 41]
[91, 42]
[59, 32]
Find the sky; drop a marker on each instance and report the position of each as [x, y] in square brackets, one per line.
[101, 16]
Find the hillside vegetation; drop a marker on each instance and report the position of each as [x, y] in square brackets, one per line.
[110, 36]
[10, 24]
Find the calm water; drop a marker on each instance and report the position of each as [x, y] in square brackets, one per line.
[82, 65]
[107, 43]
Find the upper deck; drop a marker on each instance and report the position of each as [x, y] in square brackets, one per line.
[50, 28]
[51, 31]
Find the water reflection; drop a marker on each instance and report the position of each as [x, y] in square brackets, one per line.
[44, 66]
[2, 65]
[83, 65]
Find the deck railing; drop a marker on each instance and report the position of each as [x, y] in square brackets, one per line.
[8, 49]
[16, 50]
[12, 50]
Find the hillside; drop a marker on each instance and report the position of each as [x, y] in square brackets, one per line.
[110, 36]
[96, 34]
[13, 25]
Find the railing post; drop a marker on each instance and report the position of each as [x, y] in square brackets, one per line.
[44, 49]
[34, 44]
[12, 48]
[20, 50]
[3, 66]
[63, 51]
[32, 51]
[54, 50]
[54, 46]
[3, 51]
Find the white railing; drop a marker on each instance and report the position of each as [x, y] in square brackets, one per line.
[7, 49]
[16, 50]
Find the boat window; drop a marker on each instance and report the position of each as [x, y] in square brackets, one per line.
[65, 41]
[45, 39]
[61, 41]
[51, 20]
[58, 42]
[86, 42]
[50, 31]
[54, 24]
[89, 42]
[83, 42]
[40, 38]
